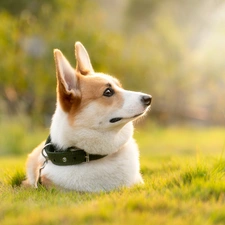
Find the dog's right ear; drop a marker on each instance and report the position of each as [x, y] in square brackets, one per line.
[67, 85]
[83, 60]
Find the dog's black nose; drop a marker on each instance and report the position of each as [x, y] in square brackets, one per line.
[146, 99]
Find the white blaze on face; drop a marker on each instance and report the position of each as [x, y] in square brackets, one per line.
[133, 105]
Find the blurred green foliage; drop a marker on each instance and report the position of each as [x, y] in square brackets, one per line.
[165, 48]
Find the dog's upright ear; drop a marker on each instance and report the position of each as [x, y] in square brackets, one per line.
[67, 82]
[83, 61]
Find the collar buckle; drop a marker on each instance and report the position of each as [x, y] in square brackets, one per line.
[87, 158]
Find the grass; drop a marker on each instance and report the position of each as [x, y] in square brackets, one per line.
[183, 169]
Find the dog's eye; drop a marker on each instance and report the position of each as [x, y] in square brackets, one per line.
[108, 92]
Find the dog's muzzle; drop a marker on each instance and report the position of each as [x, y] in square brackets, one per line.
[146, 101]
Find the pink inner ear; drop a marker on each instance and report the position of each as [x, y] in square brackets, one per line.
[66, 72]
[68, 94]
[70, 79]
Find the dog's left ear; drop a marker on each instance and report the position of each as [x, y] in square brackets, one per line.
[68, 92]
[83, 61]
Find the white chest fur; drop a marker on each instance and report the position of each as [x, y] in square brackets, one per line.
[118, 169]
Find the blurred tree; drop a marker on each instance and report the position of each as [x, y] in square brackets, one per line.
[17, 7]
[140, 14]
[27, 70]
[166, 48]
[174, 33]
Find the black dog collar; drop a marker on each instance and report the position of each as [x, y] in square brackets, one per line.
[66, 157]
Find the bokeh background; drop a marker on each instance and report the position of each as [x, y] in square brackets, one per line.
[171, 49]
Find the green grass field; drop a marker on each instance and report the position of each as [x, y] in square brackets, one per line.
[183, 169]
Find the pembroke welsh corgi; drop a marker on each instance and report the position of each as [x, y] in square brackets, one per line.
[90, 147]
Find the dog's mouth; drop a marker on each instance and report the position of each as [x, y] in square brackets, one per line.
[114, 120]
[117, 119]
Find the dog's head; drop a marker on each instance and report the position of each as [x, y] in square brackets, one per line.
[95, 100]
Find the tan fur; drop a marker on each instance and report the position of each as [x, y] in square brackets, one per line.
[69, 102]
[92, 89]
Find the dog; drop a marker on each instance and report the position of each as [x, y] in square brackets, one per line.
[90, 147]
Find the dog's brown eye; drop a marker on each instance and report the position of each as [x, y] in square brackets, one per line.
[108, 92]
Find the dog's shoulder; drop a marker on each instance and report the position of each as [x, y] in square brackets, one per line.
[34, 162]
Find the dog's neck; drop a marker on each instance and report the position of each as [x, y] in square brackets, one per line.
[103, 142]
